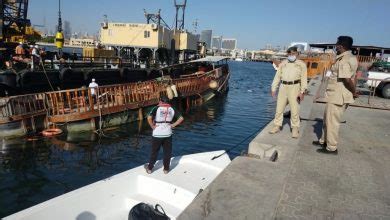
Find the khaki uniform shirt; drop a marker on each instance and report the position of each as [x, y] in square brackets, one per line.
[345, 67]
[290, 72]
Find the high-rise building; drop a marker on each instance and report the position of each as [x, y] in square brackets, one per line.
[67, 30]
[197, 37]
[205, 37]
[229, 44]
[216, 42]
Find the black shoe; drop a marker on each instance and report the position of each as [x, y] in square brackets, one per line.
[148, 171]
[317, 143]
[325, 151]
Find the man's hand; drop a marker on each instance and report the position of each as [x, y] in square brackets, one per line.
[273, 94]
[355, 95]
[151, 123]
[301, 96]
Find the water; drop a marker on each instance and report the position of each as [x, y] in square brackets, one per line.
[32, 171]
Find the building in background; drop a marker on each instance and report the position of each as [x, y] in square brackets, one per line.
[205, 37]
[67, 30]
[229, 44]
[197, 36]
[216, 43]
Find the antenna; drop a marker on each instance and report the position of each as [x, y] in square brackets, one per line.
[195, 25]
[180, 21]
[156, 19]
[59, 28]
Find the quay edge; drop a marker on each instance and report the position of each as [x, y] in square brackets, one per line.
[303, 183]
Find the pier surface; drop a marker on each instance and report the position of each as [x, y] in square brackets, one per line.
[302, 183]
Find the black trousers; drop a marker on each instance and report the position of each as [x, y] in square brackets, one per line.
[167, 151]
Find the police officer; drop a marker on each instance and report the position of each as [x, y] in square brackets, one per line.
[292, 74]
[161, 120]
[340, 92]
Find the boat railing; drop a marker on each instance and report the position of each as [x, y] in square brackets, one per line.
[368, 97]
[86, 100]
[18, 107]
[367, 59]
[366, 88]
[90, 61]
[318, 56]
[90, 102]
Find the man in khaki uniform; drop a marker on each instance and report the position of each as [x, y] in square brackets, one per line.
[340, 92]
[292, 74]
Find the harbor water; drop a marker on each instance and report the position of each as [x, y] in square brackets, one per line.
[35, 169]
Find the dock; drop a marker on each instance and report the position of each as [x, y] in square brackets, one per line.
[302, 183]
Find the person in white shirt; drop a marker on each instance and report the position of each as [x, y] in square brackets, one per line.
[35, 57]
[93, 86]
[162, 119]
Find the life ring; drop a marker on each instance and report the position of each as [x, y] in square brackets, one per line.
[51, 132]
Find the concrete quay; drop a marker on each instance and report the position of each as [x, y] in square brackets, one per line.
[302, 183]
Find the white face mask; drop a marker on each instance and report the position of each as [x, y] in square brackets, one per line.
[292, 58]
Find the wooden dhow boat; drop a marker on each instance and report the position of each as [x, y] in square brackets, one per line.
[76, 110]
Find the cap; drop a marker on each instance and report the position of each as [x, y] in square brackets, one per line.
[93, 79]
[345, 41]
[292, 49]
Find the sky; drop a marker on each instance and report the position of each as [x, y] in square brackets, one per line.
[254, 23]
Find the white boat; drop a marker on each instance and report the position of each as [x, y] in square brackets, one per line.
[112, 198]
[239, 59]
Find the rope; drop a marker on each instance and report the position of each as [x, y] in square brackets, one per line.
[47, 77]
[228, 150]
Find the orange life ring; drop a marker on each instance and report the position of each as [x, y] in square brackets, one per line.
[51, 132]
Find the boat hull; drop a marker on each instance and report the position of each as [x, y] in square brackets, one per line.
[112, 198]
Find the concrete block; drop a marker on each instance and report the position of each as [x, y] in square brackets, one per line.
[260, 149]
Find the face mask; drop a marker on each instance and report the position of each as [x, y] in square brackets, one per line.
[338, 52]
[292, 58]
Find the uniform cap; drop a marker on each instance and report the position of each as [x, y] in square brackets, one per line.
[345, 41]
[292, 49]
[93, 79]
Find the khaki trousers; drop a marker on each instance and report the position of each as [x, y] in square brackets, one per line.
[288, 94]
[331, 125]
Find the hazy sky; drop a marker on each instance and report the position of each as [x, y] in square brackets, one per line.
[254, 23]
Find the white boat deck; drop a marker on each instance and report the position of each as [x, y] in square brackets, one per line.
[112, 198]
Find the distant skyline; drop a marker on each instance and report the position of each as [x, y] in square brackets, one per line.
[254, 23]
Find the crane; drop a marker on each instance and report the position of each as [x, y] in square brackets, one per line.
[14, 24]
[179, 20]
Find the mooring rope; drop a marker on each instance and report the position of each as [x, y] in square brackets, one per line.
[47, 77]
[237, 145]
